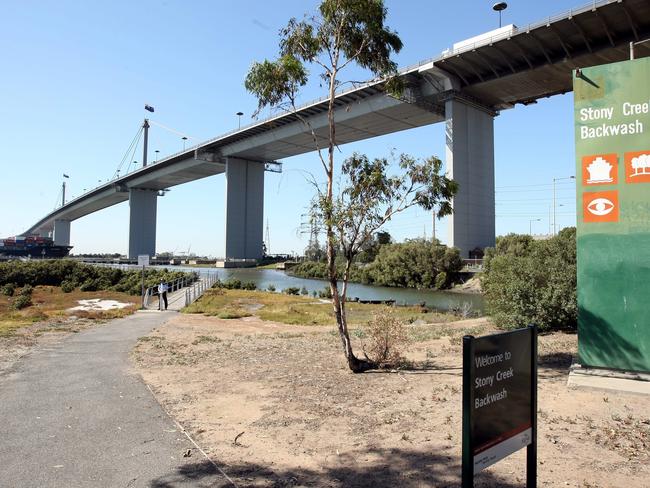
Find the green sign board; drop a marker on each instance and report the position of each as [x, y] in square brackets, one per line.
[612, 134]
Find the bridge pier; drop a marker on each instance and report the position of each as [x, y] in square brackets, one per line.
[61, 234]
[142, 222]
[470, 162]
[244, 209]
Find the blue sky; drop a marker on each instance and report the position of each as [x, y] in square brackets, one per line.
[76, 75]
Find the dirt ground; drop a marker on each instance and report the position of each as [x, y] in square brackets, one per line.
[274, 405]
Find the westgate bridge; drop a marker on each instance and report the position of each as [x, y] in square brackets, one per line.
[465, 87]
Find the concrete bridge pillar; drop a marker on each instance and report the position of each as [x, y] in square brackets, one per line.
[244, 209]
[470, 162]
[61, 234]
[142, 222]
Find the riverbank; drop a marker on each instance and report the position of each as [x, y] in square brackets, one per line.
[275, 405]
[278, 280]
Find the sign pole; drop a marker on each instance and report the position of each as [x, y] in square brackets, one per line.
[142, 286]
[467, 476]
[531, 450]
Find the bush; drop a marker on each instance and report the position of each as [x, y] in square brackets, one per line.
[292, 290]
[387, 338]
[22, 301]
[249, 285]
[67, 286]
[232, 284]
[26, 291]
[9, 289]
[90, 285]
[325, 293]
[271, 288]
[441, 280]
[304, 291]
[532, 282]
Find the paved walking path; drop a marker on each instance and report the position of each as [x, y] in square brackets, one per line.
[74, 414]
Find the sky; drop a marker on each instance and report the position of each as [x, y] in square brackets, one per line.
[76, 75]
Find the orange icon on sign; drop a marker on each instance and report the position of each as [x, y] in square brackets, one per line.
[601, 206]
[637, 167]
[600, 169]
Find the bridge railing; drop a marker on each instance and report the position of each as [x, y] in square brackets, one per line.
[197, 289]
[172, 286]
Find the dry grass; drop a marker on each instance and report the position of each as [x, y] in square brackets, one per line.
[298, 310]
[49, 302]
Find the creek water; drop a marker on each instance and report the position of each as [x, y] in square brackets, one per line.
[263, 278]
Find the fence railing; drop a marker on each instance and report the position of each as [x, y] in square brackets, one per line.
[172, 286]
[193, 292]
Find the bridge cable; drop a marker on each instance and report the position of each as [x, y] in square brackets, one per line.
[134, 142]
[171, 130]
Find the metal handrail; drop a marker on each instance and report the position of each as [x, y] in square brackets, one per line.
[172, 286]
[198, 289]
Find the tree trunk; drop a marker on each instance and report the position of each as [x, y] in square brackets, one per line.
[355, 364]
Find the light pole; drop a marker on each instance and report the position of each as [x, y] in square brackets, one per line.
[63, 190]
[146, 126]
[499, 7]
[184, 140]
[554, 219]
[239, 114]
[157, 151]
[530, 225]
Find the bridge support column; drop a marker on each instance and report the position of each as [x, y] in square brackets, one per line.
[61, 234]
[244, 209]
[470, 162]
[142, 222]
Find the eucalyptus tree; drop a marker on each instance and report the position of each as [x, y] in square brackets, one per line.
[343, 33]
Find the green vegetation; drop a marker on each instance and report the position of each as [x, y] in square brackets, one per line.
[416, 263]
[532, 282]
[69, 274]
[298, 310]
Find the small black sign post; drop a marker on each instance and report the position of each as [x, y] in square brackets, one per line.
[499, 401]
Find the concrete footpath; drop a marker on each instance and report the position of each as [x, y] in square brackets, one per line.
[74, 414]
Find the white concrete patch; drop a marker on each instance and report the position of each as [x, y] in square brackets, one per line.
[99, 304]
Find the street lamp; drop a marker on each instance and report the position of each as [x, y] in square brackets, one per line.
[239, 114]
[63, 190]
[157, 151]
[184, 140]
[554, 180]
[530, 225]
[499, 7]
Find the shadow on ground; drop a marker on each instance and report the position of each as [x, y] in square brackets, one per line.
[391, 468]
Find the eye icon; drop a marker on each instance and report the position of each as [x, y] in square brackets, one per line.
[600, 206]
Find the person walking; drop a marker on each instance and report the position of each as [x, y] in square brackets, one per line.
[162, 295]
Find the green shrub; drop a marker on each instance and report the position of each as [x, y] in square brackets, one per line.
[232, 284]
[9, 289]
[248, 285]
[67, 286]
[532, 282]
[26, 291]
[441, 280]
[292, 290]
[90, 285]
[21, 301]
[55, 272]
[304, 291]
[271, 288]
[325, 293]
